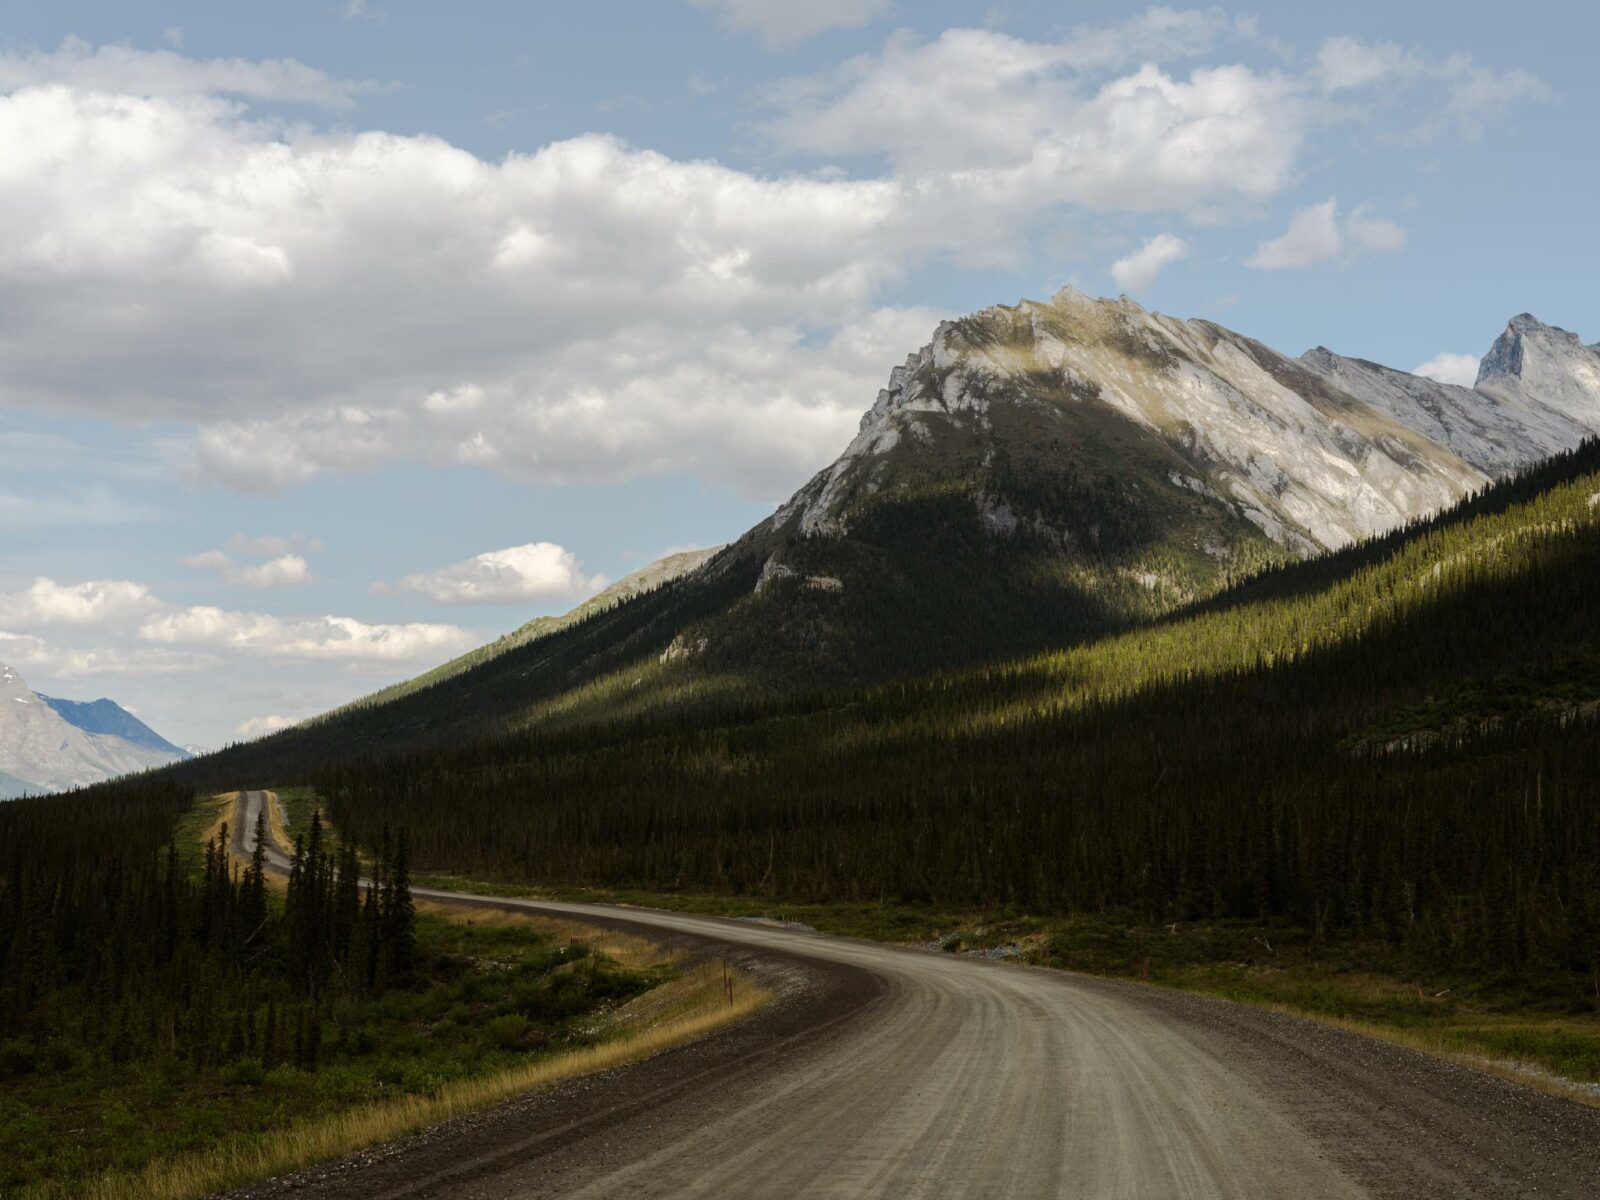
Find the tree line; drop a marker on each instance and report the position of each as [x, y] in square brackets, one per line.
[115, 945]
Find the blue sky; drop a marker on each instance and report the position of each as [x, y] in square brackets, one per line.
[337, 337]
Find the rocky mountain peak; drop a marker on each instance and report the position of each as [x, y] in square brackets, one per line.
[1535, 363]
[1034, 386]
[41, 751]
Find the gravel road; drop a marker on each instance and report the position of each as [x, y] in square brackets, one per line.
[883, 1071]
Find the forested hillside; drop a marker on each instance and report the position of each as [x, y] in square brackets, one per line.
[1396, 741]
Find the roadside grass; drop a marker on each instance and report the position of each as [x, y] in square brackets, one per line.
[199, 825]
[688, 1007]
[291, 818]
[508, 1003]
[1524, 1029]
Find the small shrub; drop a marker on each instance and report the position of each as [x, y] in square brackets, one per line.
[18, 1057]
[244, 1072]
[510, 1031]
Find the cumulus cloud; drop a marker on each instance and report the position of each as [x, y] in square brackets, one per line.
[1459, 369]
[1474, 93]
[1316, 234]
[313, 302]
[1138, 270]
[758, 409]
[284, 571]
[785, 22]
[269, 545]
[29, 653]
[343, 639]
[1312, 237]
[1367, 231]
[406, 299]
[256, 727]
[1346, 63]
[1016, 124]
[536, 571]
[128, 71]
[122, 606]
[1479, 95]
[100, 603]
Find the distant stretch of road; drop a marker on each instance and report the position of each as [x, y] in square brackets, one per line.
[890, 1072]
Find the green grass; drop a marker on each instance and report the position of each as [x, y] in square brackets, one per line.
[189, 834]
[492, 998]
[298, 804]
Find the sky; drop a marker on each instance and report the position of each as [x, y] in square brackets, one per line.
[339, 337]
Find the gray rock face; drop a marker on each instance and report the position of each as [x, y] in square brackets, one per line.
[1537, 392]
[1544, 368]
[42, 752]
[1283, 441]
[1316, 452]
[107, 716]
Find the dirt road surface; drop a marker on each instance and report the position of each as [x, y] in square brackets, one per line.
[889, 1072]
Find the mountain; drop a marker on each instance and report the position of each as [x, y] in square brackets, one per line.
[1537, 392]
[43, 751]
[1540, 364]
[1038, 475]
[1392, 746]
[647, 578]
[107, 716]
[1022, 389]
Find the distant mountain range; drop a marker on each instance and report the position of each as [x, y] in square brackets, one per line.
[1037, 475]
[47, 744]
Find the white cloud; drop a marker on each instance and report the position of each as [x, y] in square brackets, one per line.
[125, 71]
[1370, 232]
[1312, 237]
[785, 22]
[284, 571]
[758, 409]
[1317, 235]
[1479, 95]
[329, 638]
[172, 35]
[268, 545]
[1474, 94]
[1008, 123]
[308, 302]
[1345, 63]
[256, 727]
[1459, 369]
[538, 570]
[1136, 271]
[29, 653]
[122, 606]
[337, 282]
[98, 603]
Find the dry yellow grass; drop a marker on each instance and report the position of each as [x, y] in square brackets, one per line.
[697, 1003]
